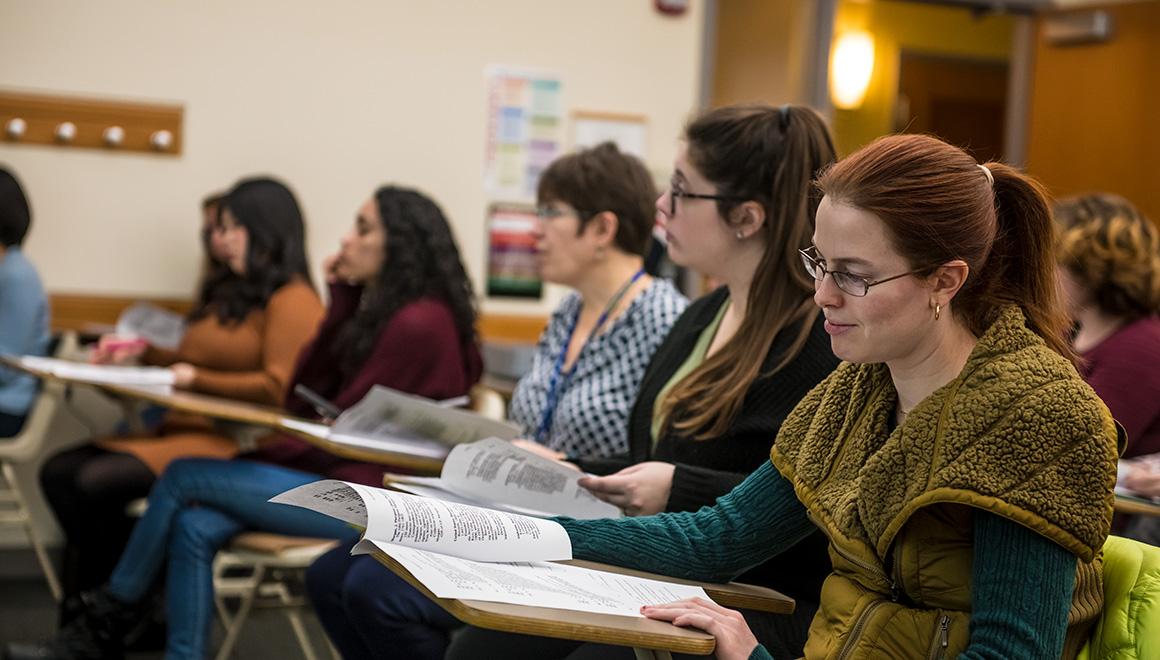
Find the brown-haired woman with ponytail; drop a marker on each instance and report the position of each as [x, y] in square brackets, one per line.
[959, 465]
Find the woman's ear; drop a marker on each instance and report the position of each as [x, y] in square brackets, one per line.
[747, 219]
[947, 279]
[603, 227]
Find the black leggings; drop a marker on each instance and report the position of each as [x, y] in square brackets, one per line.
[88, 489]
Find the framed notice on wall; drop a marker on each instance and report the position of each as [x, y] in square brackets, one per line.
[511, 252]
[628, 132]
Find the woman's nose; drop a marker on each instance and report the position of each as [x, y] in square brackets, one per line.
[826, 292]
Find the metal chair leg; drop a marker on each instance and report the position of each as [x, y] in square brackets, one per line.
[239, 619]
[25, 517]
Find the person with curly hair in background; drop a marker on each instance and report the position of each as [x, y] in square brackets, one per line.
[1109, 268]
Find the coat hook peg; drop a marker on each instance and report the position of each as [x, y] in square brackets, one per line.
[161, 140]
[66, 131]
[15, 128]
[114, 136]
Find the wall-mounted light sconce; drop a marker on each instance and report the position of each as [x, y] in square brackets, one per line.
[851, 65]
[15, 128]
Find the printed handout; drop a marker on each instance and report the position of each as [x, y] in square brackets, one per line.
[497, 474]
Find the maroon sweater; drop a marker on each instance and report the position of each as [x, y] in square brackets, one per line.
[418, 351]
[1124, 370]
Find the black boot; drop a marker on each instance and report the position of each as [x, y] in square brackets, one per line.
[95, 634]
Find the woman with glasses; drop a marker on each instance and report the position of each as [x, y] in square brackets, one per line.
[596, 219]
[959, 465]
[739, 207]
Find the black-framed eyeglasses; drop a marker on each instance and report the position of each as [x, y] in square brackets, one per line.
[674, 193]
[855, 285]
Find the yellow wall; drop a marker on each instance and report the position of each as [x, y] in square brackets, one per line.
[1106, 138]
[761, 50]
[898, 26]
[335, 98]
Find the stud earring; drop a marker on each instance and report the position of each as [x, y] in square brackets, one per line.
[740, 235]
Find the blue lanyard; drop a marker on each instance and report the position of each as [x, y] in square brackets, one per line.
[558, 380]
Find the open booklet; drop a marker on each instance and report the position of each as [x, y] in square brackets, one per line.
[392, 421]
[147, 377]
[158, 326]
[452, 549]
[497, 474]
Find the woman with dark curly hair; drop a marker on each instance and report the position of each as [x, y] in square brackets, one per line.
[401, 315]
[1109, 266]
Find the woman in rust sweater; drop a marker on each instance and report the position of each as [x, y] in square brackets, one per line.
[401, 315]
[252, 318]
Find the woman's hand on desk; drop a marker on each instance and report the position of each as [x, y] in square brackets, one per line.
[639, 490]
[183, 375]
[111, 349]
[734, 639]
[542, 451]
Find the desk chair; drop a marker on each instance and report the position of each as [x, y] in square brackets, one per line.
[488, 402]
[26, 446]
[270, 564]
[259, 570]
[1129, 626]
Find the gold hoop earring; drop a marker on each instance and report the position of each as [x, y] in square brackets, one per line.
[937, 310]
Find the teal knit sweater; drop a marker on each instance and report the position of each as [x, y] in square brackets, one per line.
[1022, 582]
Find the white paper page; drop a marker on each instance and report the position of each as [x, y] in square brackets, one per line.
[411, 446]
[496, 472]
[390, 413]
[155, 325]
[539, 584]
[435, 487]
[99, 373]
[454, 529]
[1147, 463]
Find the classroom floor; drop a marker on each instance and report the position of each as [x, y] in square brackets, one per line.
[27, 611]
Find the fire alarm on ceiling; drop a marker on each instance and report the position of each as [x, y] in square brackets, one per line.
[672, 7]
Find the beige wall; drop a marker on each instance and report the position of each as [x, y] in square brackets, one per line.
[333, 98]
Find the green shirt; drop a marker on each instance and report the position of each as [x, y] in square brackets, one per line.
[696, 357]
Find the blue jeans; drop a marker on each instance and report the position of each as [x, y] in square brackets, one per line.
[371, 613]
[196, 507]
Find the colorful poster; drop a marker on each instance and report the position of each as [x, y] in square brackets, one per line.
[511, 261]
[524, 120]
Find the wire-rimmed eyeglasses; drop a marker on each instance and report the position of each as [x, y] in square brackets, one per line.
[855, 285]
